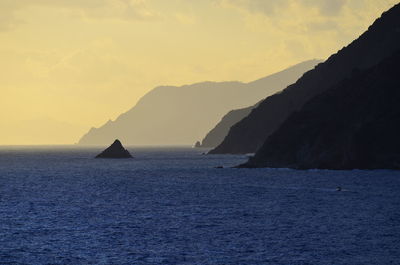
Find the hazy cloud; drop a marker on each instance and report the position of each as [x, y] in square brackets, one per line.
[303, 16]
[326, 7]
[275, 7]
[8, 21]
[7, 14]
[322, 25]
[256, 6]
[97, 9]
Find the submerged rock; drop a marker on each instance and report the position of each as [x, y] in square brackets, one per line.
[116, 150]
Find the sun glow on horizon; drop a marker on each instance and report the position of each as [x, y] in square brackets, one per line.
[68, 65]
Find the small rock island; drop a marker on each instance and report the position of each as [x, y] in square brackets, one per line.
[116, 150]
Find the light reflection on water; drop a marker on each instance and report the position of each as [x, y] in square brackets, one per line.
[171, 206]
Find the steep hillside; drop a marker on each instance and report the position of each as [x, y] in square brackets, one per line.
[355, 125]
[219, 132]
[377, 43]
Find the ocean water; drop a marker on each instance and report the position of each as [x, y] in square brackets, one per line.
[171, 206]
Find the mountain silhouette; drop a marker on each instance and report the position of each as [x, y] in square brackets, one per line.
[219, 132]
[380, 41]
[355, 125]
[170, 115]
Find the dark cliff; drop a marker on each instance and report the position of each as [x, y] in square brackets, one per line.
[377, 43]
[218, 133]
[355, 125]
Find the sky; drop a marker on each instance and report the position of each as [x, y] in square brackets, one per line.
[69, 65]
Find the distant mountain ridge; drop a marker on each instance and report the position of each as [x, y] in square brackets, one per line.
[170, 115]
[380, 41]
[355, 125]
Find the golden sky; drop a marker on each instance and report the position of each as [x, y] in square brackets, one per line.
[68, 65]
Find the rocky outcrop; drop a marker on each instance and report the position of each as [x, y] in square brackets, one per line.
[171, 115]
[116, 150]
[354, 125]
[197, 144]
[380, 41]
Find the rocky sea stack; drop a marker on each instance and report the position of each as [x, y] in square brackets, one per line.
[116, 150]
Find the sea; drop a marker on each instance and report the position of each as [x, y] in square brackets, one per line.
[175, 205]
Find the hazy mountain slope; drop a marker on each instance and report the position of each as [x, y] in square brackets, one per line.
[354, 125]
[378, 42]
[171, 115]
[218, 133]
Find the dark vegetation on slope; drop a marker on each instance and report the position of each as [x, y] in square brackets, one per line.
[380, 41]
[355, 125]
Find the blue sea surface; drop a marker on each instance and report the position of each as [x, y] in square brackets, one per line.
[59, 205]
